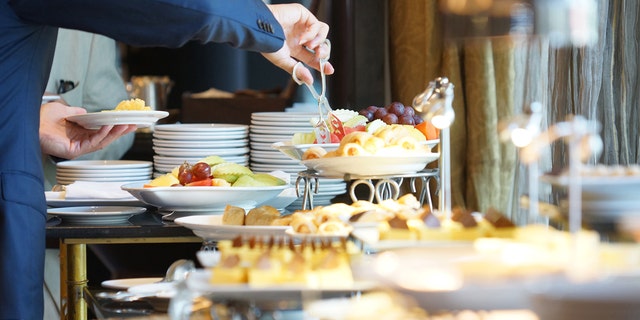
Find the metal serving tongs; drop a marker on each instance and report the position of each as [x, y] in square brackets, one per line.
[321, 129]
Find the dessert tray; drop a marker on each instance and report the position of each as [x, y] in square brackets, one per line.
[369, 239]
[199, 281]
[95, 120]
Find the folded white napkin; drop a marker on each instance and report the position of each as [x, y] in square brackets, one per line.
[97, 190]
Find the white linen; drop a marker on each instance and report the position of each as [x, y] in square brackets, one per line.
[97, 190]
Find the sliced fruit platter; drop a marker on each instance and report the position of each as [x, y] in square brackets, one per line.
[206, 187]
[214, 171]
[375, 141]
[370, 120]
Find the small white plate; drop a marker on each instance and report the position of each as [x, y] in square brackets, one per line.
[267, 138]
[87, 176]
[104, 164]
[95, 120]
[157, 289]
[96, 214]
[183, 144]
[601, 187]
[304, 124]
[266, 167]
[65, 181]
[272, 154]
[283, 116]
[124, 284]
[195, 136]
[201, 127]
[188, 152]
[258, 159]
[104, 174]
[210, 227]
[285, 130]
[56, 199]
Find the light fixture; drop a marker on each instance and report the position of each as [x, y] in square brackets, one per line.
[435, 105]
[521, 130]
[582, 138]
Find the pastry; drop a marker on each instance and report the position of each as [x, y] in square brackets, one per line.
[314, 153]
[282, 221]
[261, 216]
[234, 216]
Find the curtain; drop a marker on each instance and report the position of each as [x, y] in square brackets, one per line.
[496, 78]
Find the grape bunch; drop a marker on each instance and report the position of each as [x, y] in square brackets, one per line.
[188, 173]
[393, 113]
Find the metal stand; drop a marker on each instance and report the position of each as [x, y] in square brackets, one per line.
[385, 186]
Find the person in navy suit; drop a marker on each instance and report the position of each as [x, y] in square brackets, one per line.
[284, 34]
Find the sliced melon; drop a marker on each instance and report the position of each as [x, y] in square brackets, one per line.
[212, 160]
[165, 180]
[258, 180]
[230, 171]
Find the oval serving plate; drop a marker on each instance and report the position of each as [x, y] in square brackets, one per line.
[96, 214]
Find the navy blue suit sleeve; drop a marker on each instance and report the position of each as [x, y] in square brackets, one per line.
[245, 24]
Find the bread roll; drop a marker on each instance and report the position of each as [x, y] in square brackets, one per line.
[261, 216]
[233, 215]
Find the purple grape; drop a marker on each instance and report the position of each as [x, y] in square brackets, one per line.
[417, 119]
[406, 120]
[396, 108]
[409, 111]
[367, 114]
[372, 109]
[390, 118]
[380, 113]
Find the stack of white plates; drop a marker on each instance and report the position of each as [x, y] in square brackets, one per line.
[607, 196]
[68, 172]
[270, 127]
[173, 144]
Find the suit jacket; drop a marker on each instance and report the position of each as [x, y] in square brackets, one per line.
[27, 39]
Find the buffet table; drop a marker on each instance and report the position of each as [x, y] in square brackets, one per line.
[147, 227]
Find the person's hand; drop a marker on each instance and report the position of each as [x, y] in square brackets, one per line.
[65, 139]
[303, 32]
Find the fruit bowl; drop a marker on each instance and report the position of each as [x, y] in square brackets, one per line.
[295, 151]
[202, 200]
[363, 166]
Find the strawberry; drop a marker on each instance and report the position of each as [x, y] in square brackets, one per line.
[348, 130]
